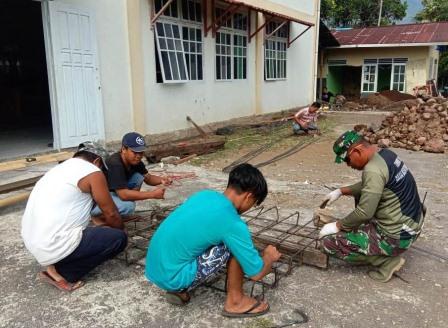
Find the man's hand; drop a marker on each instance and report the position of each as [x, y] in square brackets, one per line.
[329, 229]
[303, 124]
[332, 196]
[158, 193]
[166, 181]
[271, 254]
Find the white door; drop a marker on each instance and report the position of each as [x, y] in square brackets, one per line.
[74, 77]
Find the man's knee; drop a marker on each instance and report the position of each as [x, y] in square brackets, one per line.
[118, 241]
[136, 181]
[126, 207]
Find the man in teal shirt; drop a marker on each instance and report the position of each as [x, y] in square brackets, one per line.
[206, 233]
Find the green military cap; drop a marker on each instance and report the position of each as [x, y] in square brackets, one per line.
[343, 143]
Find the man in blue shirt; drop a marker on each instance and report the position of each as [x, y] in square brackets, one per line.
[204, 234]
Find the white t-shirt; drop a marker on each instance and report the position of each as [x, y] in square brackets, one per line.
[57, 212]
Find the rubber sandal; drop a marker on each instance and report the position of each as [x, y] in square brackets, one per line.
[63, 284]
[248, 313]
[176, 299]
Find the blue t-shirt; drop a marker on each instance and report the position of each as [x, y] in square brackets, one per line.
[206, 219]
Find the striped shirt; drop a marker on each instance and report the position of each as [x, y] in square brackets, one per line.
[306, 116]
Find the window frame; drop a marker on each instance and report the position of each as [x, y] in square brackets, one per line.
[231, 30]
[182, 23]
[363, 81]
[277, 39]
[392, 79]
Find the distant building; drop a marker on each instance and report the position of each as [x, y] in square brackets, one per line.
[361, 61]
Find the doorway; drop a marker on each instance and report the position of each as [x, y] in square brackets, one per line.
[26, 123]
[344, 80]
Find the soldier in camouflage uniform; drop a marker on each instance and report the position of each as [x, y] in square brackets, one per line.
[388, 216]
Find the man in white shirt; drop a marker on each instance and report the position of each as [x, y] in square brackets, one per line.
[305, 119]
[54, 225]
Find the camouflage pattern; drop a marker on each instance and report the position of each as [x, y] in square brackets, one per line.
[364, 240]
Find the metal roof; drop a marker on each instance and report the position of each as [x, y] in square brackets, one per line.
[394, 35]
[274, 9]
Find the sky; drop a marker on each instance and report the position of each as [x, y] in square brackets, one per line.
[414, 6]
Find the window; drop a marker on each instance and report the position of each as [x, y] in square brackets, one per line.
[398, 77]
[191, 10]
[192, 38]
[171, 11]
[239, 57]
[369, 78]
[171, 52]
[275, 50]
[231, 47]
[223, 56]
[179, 41]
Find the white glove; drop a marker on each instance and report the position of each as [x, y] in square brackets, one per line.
[333, 196]
[328, 229]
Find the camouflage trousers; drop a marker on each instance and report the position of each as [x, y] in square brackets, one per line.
[363, 240]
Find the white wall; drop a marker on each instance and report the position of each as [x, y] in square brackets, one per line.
[204, 101]
[114, 66]
[305, 6]
[167, 105]
[209, 100]
[298, 89]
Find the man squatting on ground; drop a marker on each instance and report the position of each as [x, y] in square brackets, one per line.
[204, 234]
[54, 225]
[126, 174]
[306, 119]
[388, 216]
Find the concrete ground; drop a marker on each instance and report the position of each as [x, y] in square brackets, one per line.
[117, 295]
[25, 142]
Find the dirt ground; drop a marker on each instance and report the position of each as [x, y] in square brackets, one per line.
[342, 296]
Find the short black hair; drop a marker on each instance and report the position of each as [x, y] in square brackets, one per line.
[316, 104]
[247, 178]
[88, 156]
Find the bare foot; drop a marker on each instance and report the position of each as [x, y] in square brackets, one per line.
[245, 304]
[51, 270]
[184, 296]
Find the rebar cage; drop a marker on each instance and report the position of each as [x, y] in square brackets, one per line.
[296, 238]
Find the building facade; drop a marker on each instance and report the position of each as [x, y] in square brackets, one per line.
[144, 65]
[369, 60]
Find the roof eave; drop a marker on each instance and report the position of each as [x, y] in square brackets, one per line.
[389, 45]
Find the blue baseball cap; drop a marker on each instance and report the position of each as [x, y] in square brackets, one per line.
[134, 141]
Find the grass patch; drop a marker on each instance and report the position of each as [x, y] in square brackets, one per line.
[280, 136]
[261, 323]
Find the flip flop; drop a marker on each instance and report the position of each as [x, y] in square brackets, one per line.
[176, 299]
[248, 313]
[63, 284]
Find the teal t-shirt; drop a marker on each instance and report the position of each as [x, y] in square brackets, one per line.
[206, 219]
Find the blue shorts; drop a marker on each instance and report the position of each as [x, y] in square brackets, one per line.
[209, 265]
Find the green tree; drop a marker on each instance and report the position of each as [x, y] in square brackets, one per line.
[361, 13]
[433, 11]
